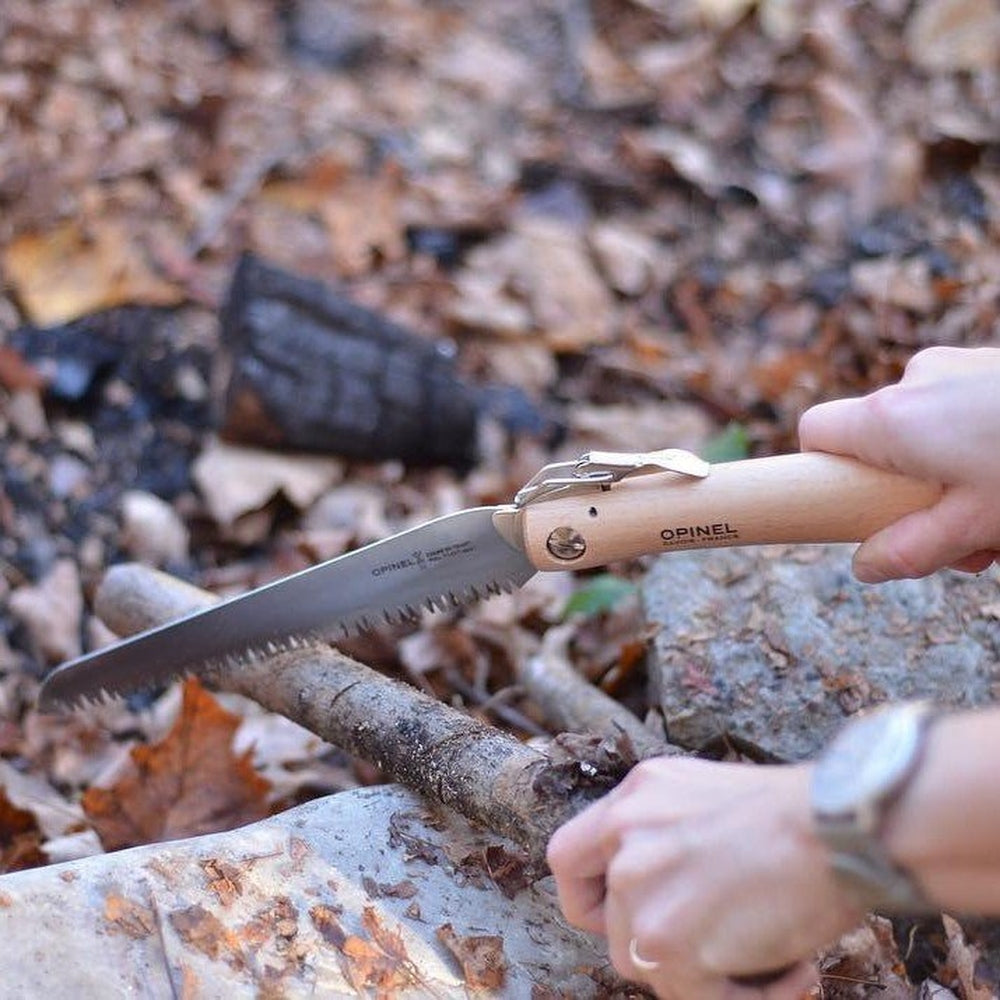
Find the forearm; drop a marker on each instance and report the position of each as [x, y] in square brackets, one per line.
[946, 827]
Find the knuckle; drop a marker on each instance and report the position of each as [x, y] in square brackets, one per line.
[623, 874]
[888, 417]
[652, 772]
[929, 359]
[638, 779]
[657, 935]
[883, 406]
[662, 935]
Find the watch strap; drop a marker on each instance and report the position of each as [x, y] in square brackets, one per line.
[869, 874]
[858, 855]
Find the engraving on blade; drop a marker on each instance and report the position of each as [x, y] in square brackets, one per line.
[445, 563]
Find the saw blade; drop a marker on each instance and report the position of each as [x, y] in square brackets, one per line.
[450, 561]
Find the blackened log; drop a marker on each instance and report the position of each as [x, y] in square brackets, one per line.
[306, 368]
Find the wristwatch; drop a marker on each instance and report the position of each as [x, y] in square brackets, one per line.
[855, 783]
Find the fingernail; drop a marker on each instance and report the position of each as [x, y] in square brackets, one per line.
[869, 573]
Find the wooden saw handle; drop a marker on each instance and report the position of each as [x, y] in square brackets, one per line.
[806, 497]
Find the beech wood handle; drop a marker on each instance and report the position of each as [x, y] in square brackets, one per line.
[805, 497]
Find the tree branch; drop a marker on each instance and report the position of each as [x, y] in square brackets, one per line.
[481, 772]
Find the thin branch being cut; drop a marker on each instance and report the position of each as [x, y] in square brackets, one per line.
[478, 770]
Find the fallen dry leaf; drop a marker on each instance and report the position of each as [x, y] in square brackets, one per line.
[378, 965]
[66, 273]
[545, 265]
[483, 65]
[611, 81]
[190, 783]
[663, 146]
[962, 956]
[20, 838]
[54, 816]
[954, 35]
[628, 258]
[646, 427]
[224, 879]
[480, 955]
[202, 930]
[853, 139]
[361, 214]
[866, 958]
[128, 917]
[236, 480]
[364, 222]
[906, 284]
[51, 612]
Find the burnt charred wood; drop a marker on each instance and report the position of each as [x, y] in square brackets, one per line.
[303, 367]
[306, 368]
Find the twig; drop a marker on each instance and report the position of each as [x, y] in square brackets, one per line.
[487, 703]
[571, 703]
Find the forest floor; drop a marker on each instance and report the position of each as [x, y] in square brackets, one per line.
[663, 222]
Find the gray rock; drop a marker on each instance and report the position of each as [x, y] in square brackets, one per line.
[777, 646]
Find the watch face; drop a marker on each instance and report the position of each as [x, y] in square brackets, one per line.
[867, 761]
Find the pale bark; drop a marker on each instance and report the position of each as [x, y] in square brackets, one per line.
[488, 776]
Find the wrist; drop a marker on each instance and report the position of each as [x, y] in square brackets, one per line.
[857, 784]
[936, 830]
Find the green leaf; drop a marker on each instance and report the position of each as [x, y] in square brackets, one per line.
[600, 593]
[729, 445]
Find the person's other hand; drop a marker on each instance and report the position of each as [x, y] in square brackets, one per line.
[940, 422]
[709, 870]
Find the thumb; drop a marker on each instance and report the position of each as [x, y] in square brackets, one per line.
[926, 540]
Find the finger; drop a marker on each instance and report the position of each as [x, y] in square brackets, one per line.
[791, 986]
[933, 364]
[838, 426]
[576, 849]
[618, 928]
[977, 562]
[582, 902]
[578, 864]
[924, 541]
[878, 429]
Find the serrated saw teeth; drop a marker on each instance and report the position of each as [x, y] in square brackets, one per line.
[253, 655]
[440, 565]
[97, 699]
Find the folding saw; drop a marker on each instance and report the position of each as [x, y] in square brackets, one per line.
[602, 508]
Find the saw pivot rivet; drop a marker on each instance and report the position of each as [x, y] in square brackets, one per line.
[566, 543]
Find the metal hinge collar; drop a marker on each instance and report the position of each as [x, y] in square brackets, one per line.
[602, 469]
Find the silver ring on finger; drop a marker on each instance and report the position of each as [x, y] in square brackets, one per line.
[642, 964]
